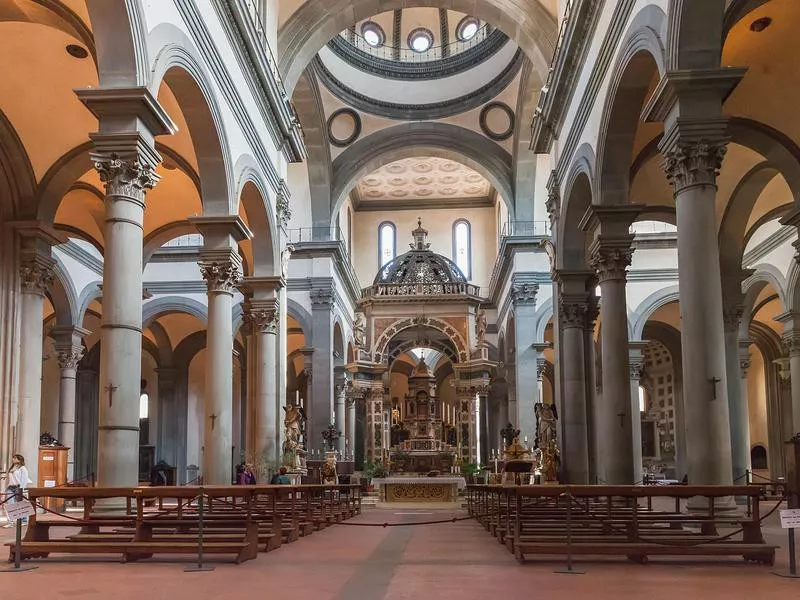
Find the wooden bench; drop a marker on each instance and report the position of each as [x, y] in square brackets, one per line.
[612, 520]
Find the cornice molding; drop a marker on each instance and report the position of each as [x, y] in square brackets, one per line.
[77, 253]
[784, 235]
[405, 112]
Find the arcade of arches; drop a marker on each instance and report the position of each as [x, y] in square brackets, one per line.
[207, 209]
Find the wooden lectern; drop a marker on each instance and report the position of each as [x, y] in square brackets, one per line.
[793, 472]
[53, 473]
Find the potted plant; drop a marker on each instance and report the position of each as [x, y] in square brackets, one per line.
[468, 470]
[367, 473]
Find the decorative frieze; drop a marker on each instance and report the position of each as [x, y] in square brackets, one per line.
[694, 164]
[220, 276]
[69, 356]
[130, 178]
[524, 293]
[36, 274]
[611, 262]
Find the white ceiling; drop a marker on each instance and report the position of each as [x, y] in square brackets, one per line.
[424, 178]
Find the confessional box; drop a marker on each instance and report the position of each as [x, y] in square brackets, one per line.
[793, 472]
[53, 473]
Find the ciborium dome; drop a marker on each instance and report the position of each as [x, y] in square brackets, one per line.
[420, 265]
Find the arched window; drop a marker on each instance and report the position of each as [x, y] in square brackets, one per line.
[387, 242]
[758, 457]
[462, 247]
[642, 396]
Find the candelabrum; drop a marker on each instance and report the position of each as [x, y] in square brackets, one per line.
[331, 435]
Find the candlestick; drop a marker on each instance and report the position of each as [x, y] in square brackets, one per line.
[297, 398]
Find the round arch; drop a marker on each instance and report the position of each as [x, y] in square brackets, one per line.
[253, 197]
[418, 139]
[446, 328]
[312, 25]
[641, 58]
[571, 240]
[178, 65]
[165, 305]
[647, 307]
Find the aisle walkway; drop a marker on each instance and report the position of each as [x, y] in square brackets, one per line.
[452, 561]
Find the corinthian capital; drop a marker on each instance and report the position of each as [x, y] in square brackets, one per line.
[732, 316]
[524, 293]
[69, 356]
[221, 276]
[36, 274]
[611, 262]
[129, 177]
[791, 343]
[692, 164]
[574, 314]
[262, 319]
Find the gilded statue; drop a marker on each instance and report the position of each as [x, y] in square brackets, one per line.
[329, 469]
[292, 423]
[480, 328]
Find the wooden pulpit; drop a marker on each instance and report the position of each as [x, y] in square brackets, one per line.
[53, 473]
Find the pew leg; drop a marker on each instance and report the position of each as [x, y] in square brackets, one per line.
[640, 559]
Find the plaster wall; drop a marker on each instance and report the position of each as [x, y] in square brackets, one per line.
[757, 399]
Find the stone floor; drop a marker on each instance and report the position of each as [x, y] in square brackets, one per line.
[457, 561]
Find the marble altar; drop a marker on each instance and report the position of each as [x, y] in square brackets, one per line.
[419, 489]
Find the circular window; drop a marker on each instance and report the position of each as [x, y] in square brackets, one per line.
[467, 28]
[373, 34]
[420, 39]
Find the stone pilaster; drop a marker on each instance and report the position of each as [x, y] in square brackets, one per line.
[35, 276]
[636, 365]
[791, 343]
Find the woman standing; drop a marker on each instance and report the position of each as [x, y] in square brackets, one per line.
[18, 480]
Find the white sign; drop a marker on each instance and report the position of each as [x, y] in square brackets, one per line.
[790, 519]
[49, 483]
[19, 510]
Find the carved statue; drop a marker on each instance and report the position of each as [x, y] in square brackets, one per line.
[292, 424]
[329, 469]
[548, 417]
[480, 328]
[359, 330]
[286, 255]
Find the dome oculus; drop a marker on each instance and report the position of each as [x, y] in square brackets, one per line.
[373, 34]
[467, 28]
[420, 39]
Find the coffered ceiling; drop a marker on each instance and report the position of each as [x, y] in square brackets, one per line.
[410, 182]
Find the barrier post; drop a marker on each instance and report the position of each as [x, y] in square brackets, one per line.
[569, 570]
[791, 517]
[18, 567]
[200, 566]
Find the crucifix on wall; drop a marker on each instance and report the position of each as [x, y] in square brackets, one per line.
[213, 418]
[714, 381]
[111, 388]
[621, 416]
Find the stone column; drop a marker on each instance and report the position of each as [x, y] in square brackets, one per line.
[169, 416]
[70, 351]
[126, 182]
[575, 451]
[339, 411]
[220, 266]
[791, 343]
[262, 316]
[689, 103]
[320, 405]
[636, 362]
[350, 430]
[610, 257]
[523, 296]
[737, 398]
[35, 277]
[744, 367]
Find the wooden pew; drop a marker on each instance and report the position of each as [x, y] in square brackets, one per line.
[612, 520]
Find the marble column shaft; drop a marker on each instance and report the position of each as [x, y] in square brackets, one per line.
[350, 430]
[791, 342]
[263, 317]
[523, 296]
[69, 352]
[221, 273]
[339, 411]
[692, 167]
[320, 405]
[126, 182]
[737, 397]
[636, 362]
[574, 314]
[35, 277]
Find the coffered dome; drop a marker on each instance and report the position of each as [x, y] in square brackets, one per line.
[420, 265]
